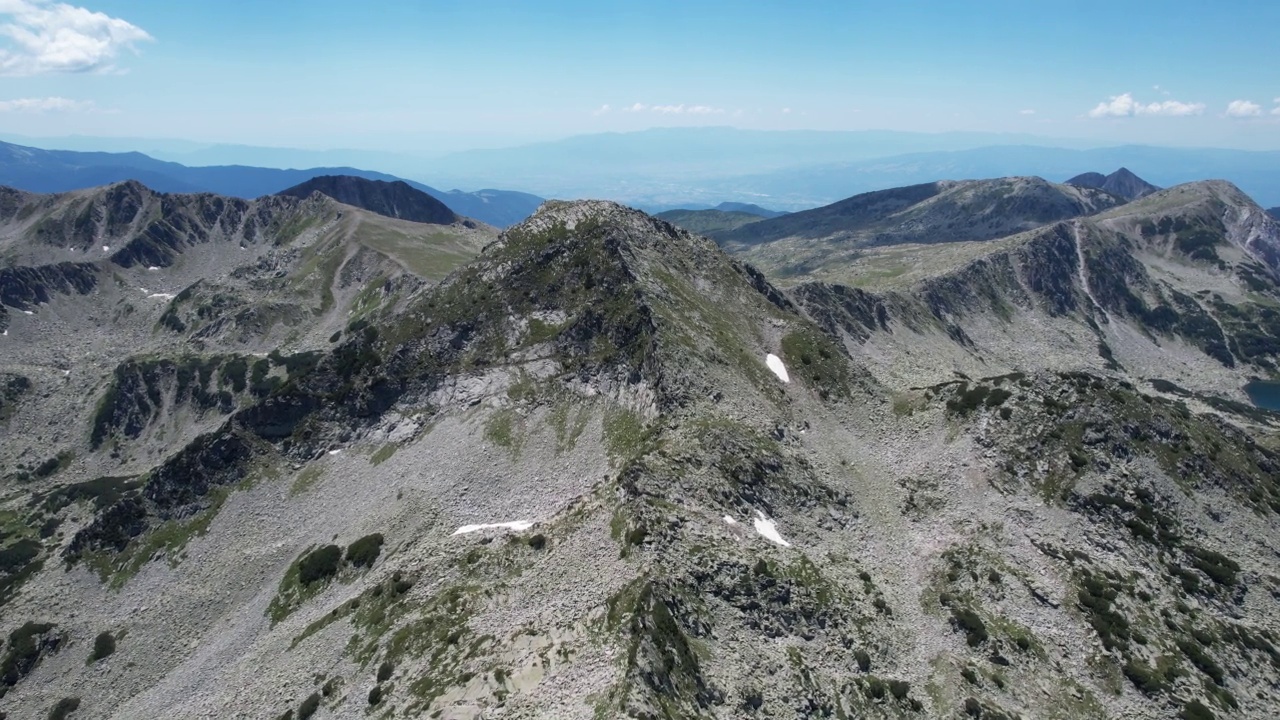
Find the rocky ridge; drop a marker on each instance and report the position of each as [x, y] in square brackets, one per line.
[687, 533]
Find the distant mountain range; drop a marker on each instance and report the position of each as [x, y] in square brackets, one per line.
[668, 168]
[722, 218]
[1121, 182]
[1252, 172]
[750, 209]
[657, 170]
[1274, 212]
[50, 171]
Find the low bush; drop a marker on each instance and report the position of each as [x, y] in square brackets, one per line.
[364, 552]
[1196, 710]
[64, 708]
[103, 645]
[1144, 677]
[385, 670]
[864, 660]
[375, 695]
[319, 564]
[309, 706]
[968, 621]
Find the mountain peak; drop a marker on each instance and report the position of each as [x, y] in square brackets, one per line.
[1122, 182]
[393, 199]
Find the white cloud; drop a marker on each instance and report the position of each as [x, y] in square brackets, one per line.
[1243, 108]
[1027, 112]
[602, 110]
[680, 109]
[786, 111]
[1125, 106]
[46, 104]
[51, 37]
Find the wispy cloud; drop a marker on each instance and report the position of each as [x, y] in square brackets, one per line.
[1125, 106]
[1243, 108]
[680, 109]
[49, 37]
[786, 111]
[602, 110]
[46, 104]
[1027, 112]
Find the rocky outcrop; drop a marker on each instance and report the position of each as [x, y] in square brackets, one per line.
[26, 287]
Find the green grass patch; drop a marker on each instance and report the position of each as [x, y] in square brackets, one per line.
[306, 478]
[383, 454]
[816, 360]
[625, 433]
[503, 428]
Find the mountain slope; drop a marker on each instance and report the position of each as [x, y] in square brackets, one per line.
[941, 212]
[709, 222]
[570, 481]
[749, 208]
[99, 281]
[392, 199]
[1121, 182]
[54, 171]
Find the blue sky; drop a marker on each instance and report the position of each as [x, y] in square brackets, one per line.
[429, 75]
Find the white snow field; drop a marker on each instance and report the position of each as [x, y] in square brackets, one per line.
[518, 526]
[775, 364]
[768, 530]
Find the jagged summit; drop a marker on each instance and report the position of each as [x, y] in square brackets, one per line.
[1122, 182]
[393, 199]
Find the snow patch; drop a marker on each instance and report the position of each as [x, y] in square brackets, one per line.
[518, 526]
[106, 248]
[27, 312]
[730, 520]
[768, 530]
[335, 452]
[775, 364]
[153, 268]
[162, 296]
